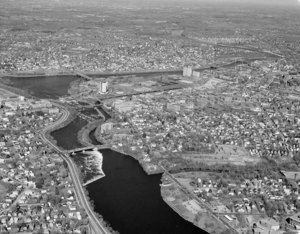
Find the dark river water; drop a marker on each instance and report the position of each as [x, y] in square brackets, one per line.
[127, 198]
[43, 87]
[130, 200]
[67, 137]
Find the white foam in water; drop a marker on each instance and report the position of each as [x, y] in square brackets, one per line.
[88, 163]
[98, 159]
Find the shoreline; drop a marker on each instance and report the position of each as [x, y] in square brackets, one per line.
[189, 208]
[145, 165]
[15, 91]
[96, 73]
[207, 214]
[28, 74]
[202, 219]
[71, 117]
[83, 134]
[83, 138]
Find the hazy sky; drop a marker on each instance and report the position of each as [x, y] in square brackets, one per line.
[164, 2]
[183, 1]
[221, 1]
[264, 1]
[281, 2]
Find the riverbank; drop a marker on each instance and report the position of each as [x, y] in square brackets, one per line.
[188, 208]
[83, 135]
[96, 73]
[201, 219]
[14, 90]
[148, 167]
[72, 115]
[34, 74]
[125, 179]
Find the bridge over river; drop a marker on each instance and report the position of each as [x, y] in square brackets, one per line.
[83, 149]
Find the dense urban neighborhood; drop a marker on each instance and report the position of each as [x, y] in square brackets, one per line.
[37, 193]
[205, 96]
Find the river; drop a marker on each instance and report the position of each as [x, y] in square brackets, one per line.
[130, 200]
[67, 137]
[126, 197]
[44, 86]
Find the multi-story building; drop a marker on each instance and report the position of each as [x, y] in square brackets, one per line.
[104, 87]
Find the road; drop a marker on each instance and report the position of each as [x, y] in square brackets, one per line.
[95, 224]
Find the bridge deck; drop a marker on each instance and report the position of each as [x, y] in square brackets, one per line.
[88, 148]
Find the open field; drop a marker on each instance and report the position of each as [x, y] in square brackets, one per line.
[223, 155]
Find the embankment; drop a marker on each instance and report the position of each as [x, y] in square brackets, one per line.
[83, 134]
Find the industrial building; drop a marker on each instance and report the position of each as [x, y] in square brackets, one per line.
[187, 71]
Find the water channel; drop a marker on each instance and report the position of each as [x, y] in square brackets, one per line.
[126, 197]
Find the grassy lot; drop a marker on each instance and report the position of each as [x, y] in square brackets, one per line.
[2, 191]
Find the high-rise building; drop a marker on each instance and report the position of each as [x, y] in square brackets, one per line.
[104, 87]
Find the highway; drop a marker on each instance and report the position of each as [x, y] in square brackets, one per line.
[95, 224]
[271, 53]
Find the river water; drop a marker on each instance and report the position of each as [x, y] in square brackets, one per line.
[43, 87]
[67, 137]
[127, 198]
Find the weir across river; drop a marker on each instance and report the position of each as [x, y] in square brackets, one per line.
[83, 75]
